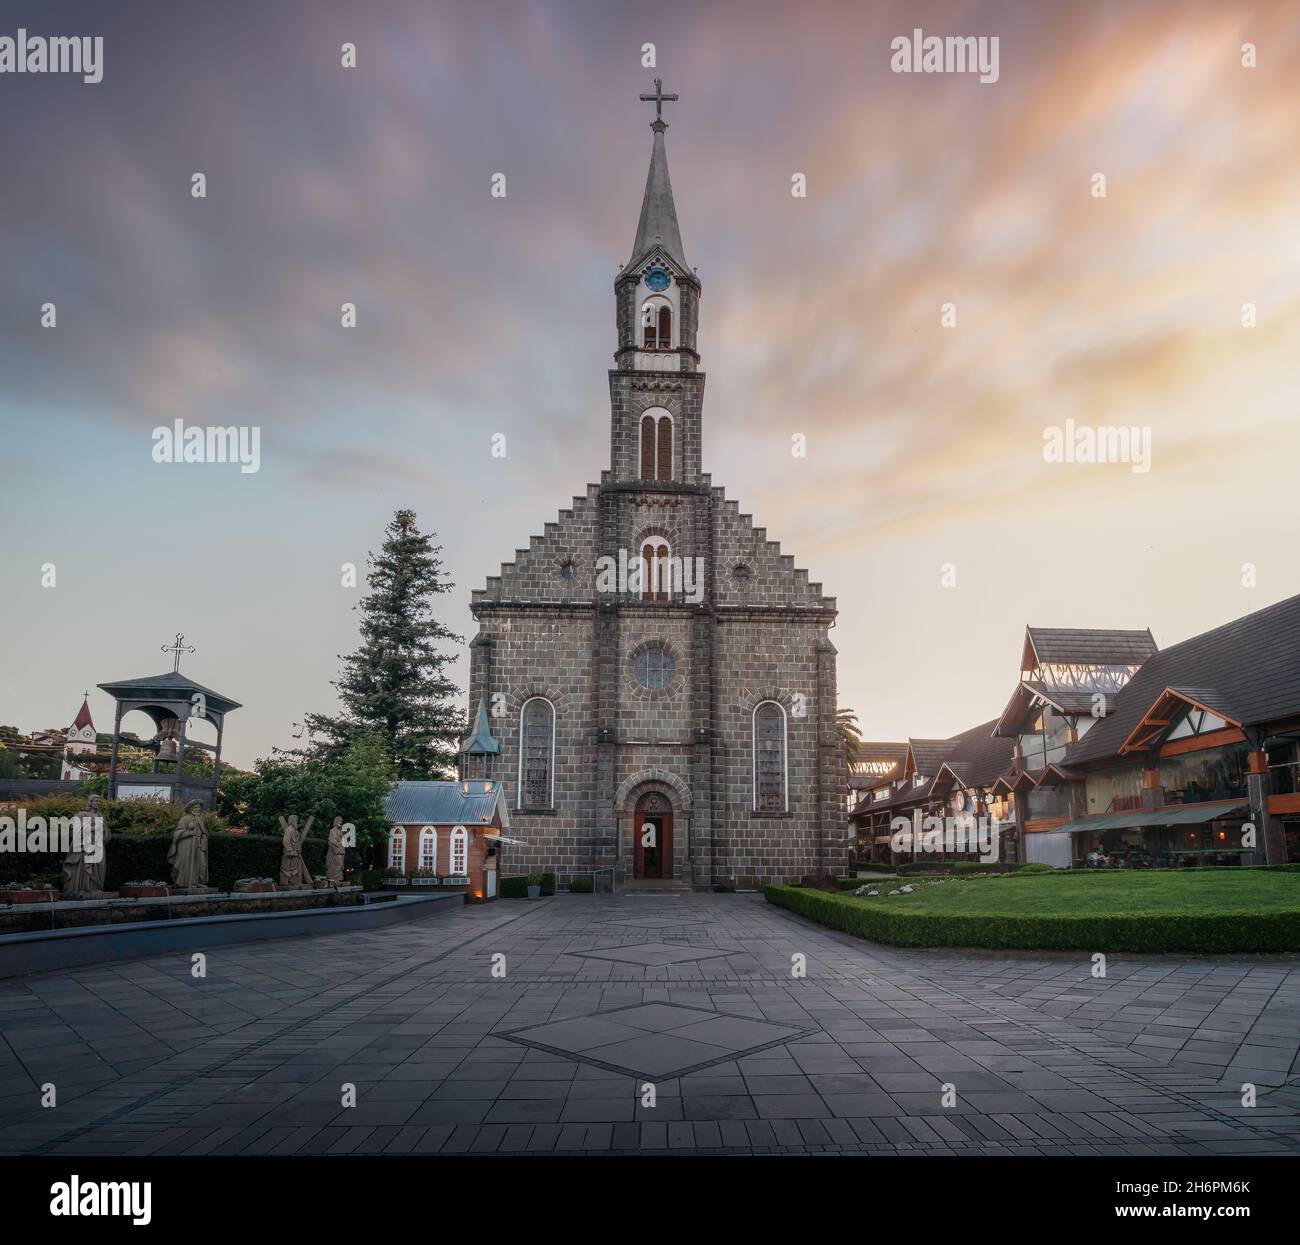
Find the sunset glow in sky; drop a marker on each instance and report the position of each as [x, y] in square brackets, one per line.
[820, 316]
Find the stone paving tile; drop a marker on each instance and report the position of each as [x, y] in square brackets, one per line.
[605, 998]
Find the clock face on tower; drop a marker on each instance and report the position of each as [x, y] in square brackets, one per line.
[658, 278]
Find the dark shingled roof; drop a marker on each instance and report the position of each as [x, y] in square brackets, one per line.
[979, 756]
[169, 686]
[1250, 668]
[1091, 646]
[976, 756]
[929, 754]
[1069, 699]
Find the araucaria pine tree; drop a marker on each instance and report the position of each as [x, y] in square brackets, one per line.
[395, 683]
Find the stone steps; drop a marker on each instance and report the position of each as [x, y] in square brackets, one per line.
[656, 886]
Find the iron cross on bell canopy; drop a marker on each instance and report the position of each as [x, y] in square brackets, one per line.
[659, 99]
[177, 647]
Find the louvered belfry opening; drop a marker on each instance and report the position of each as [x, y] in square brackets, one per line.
[656, 447]
[655, 571]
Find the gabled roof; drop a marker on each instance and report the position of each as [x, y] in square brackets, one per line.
[1025, 779]
[658, 223]
[1249, 669]
[1165, 710]
[1066, 700]
[1054, 773]
[880, 754]
[468, 802]
[1086, 646]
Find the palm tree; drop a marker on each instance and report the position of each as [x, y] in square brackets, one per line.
[846, 723]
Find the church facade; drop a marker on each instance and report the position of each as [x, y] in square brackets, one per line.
[652, 679]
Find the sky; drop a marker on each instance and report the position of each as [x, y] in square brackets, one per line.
[924, 503]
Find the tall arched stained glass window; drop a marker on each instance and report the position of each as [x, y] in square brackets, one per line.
[769, 758]
[536, 753]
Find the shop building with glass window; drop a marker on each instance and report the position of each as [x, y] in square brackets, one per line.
[1195, 762]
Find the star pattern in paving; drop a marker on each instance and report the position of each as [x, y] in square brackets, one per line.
[659, 922]
[656, 954]
[655, 1039]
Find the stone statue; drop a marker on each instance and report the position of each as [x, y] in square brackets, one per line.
[334, 853]
[83, 876]
[293, 868]
[188, 854]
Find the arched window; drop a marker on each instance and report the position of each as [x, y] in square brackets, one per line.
[429, 849]
[656, 569]
[536, 753]
[769, 758]
[656, 445]
[656, 325]
[397, 849]
[459, 852]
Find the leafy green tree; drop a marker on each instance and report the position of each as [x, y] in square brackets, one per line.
[351, 785]
[395, 684]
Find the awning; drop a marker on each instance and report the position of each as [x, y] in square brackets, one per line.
[1178, 815]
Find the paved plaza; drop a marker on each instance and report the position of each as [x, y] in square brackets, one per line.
[692, 995]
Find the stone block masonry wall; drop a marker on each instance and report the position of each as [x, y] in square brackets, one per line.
[546, 630]
[543, 652]
[630, 395]
[766, 657]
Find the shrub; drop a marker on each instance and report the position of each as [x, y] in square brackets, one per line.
[1149, 932]
[516, 887]
[581, 886]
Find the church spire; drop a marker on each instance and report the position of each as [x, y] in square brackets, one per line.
[658, 223]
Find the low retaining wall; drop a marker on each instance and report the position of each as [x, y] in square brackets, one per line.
[231, 920]
[24, 918]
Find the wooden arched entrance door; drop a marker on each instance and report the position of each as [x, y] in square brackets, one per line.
[653, 837]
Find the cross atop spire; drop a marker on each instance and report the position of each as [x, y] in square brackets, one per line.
[658, 223]
[659, 99]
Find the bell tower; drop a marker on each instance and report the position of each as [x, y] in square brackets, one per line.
[656, 301]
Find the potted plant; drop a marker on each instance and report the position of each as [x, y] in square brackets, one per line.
[31, 891]
[396, 879]
[534, 885]
[424, 877]
[147, 889]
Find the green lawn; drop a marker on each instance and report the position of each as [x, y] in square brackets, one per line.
[1119, 891]
[1226, 910]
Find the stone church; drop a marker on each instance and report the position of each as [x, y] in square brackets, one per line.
[653, 679]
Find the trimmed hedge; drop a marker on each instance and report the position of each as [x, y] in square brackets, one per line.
[1149, 933]
[516, 887]
[581, 886]
[137, 857]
